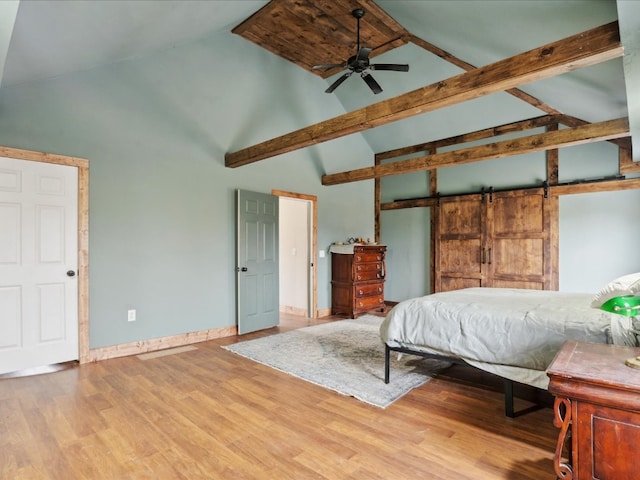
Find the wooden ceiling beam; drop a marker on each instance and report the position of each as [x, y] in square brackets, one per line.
[571, 121]
[490, 132]
[567, 120]
[588, 48]
[516, 92]
[593, 132]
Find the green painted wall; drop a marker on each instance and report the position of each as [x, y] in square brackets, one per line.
[599, 232]
[162, 203]
[162, 211]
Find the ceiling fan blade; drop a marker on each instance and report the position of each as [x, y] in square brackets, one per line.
[363, 54]
[337, 83]
[328, 66]
[389, 66]
[373, 85]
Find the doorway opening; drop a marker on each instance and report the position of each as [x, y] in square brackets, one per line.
[297, 245]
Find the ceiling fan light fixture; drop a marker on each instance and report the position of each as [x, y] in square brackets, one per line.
[359, 63]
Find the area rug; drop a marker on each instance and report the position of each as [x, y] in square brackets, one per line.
[346, 356]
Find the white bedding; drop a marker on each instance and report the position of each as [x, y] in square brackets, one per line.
[513, 333]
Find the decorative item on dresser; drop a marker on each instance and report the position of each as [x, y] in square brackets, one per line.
[357, 279]
[597, 409]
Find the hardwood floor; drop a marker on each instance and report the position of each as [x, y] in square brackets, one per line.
[210, 414]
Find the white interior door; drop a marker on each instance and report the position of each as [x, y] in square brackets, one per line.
[38, 264]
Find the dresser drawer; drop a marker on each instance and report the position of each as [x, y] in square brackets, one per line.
[368, 257]
[366, 276]
[367, 267]
[369, 303]
[368, 290]
[368, 271]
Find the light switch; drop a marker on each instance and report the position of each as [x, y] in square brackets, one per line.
[321, 254]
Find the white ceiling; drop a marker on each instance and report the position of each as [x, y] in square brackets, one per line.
[45, 39]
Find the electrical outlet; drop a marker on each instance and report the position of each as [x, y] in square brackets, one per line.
[131, 315]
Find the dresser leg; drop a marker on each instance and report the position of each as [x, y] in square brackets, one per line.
[562, 420]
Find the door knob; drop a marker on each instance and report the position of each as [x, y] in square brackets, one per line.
[71, 273]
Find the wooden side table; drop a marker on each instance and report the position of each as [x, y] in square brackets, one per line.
[597, 409]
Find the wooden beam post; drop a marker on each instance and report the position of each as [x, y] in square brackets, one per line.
[581, 50]
[431, 146]
[589, 133]
[553, 159]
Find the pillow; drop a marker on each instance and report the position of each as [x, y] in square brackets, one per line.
[621, 286]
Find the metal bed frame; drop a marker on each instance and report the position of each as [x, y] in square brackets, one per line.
[508, 384]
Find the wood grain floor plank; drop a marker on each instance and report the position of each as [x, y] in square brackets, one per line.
[211, 414]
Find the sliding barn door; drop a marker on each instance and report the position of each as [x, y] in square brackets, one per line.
[459, 239]
[521, 246]
[497, 239]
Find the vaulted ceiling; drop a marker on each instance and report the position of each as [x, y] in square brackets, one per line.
[40, 40]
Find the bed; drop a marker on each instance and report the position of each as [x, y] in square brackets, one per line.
[512, 333]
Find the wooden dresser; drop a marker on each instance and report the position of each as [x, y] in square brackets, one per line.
[597, 409]
[357, 280]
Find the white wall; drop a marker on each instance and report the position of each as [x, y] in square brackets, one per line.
[294, 251]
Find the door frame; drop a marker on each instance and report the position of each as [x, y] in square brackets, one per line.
[82, 164]
[313, 307]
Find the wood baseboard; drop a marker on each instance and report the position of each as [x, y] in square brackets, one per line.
[153, 344]
[293, 310]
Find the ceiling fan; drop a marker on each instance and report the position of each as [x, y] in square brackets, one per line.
[359, 63]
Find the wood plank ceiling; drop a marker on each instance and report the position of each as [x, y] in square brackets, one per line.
[314, 32]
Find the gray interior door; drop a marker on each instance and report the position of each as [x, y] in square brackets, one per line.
[257, 261]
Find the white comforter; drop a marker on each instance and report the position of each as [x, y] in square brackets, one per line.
[513, 333]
